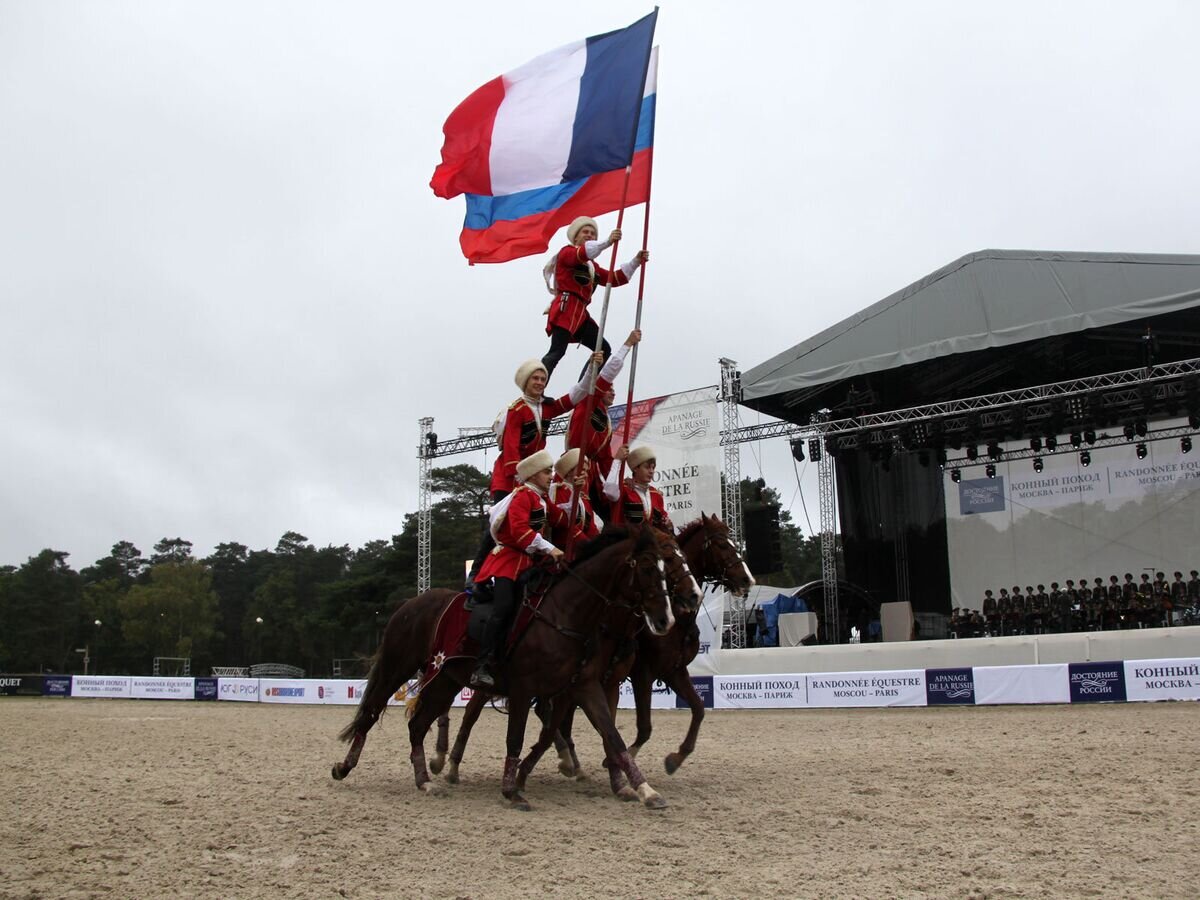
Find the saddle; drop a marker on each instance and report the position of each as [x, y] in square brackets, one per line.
[461, 625]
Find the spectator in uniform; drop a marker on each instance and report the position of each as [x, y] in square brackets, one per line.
[1178, 597]
[1035, 610]
[1193, 589]
[1003, 608]
[1016, 614]
[989, 612]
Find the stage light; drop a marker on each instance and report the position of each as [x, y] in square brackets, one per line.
[1140, 427]
[814, 449]
[972, 452]
[431, 443]
[990, 470]
[1076, 439]
[1142, 451]
[831, 446]
[798, 450]
[1051, 443]
[994, 451]
[1128, 431]
[955, 476]
[1085, 458]
[1089, 436]
[1035, 444]
[1038, 465]
[1185, 444]
[1193, 421]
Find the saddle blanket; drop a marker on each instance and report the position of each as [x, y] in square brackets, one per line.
[451, 639]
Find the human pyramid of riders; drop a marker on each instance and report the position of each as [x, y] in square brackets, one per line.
[533, 493]
[1099, 607]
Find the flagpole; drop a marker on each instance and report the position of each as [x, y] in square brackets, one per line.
[593, 369]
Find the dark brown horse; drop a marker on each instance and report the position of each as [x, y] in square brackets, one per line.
[618, 578]
[712, 556]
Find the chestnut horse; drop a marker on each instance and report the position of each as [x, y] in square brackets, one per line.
[712, 556]
[619, 576]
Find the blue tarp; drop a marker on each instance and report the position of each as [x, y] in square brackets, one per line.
[772, 609]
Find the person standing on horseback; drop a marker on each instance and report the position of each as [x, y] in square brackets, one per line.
[521, 430]
[593, 434]
[571, 475]
[571, 277]
[639, 500]
[516, 523]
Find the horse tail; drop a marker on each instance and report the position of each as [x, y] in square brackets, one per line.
[372, 705]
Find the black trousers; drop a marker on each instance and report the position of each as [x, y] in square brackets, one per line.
[560, 339]
[505, 596]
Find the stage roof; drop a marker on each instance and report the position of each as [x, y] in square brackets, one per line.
[984, 301]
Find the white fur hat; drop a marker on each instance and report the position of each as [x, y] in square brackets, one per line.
[534, 463]
[567, 462]
[573, 228]
[527, 368]
[639, 455]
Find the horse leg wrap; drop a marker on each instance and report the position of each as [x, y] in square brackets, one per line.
[508, 785]
[420, 772]
[629, 767]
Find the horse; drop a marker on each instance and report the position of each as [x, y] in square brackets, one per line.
[709, 552]
[619, 575]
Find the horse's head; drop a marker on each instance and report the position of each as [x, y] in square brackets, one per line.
[682, 585]
[650, 578]
[719, 560]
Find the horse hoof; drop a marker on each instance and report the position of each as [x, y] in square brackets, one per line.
[627, 793]
[519, 803]
[566, 768]
[651, 799]
[672, 763]
[436, 764]
[432, 789]
[581, 775]
[339, 771]
[452, 776]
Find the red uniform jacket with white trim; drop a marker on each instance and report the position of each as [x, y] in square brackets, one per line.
[631, 508]
[517, 523]
[523, 435]
[575, 277]
[585, 522]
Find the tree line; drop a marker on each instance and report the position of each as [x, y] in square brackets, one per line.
[295, 604]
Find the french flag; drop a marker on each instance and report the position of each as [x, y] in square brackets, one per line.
[550, 141]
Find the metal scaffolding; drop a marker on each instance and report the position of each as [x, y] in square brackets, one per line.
[827, 488]
[731, 395]
[426, 451]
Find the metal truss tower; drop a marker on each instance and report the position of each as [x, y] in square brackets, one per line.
[731, 395]
[829, 575]
[426, 451]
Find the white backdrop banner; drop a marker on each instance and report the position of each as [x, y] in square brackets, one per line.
[841, 689]
[1162, 679]
[243, 689]
[1022, 684]
[685, 432]
[101, 686]
[759, 691]
[661, 696]
[1118, 514]
[164, 688]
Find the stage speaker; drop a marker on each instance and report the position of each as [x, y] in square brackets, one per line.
[760, 525]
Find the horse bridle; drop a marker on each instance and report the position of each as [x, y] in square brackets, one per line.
[723, 579]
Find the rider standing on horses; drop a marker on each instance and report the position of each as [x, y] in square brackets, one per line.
[594, 433]
[521, 430]
[639, 500]
[571, 277]
[516, 523]
[570, 475]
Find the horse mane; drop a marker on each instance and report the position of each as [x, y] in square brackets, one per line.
[611, 535]
[688, 530]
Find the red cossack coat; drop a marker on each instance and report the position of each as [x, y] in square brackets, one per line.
[629, 509]
[575, 277]
[526, 516]
[522, 437]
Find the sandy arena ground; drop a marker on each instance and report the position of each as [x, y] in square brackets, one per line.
[144, 799]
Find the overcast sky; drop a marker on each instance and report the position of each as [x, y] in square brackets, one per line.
[227, 293]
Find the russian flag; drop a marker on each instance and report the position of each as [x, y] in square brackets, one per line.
[550, 141]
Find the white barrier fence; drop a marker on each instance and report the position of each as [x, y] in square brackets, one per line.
[1076, 682]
